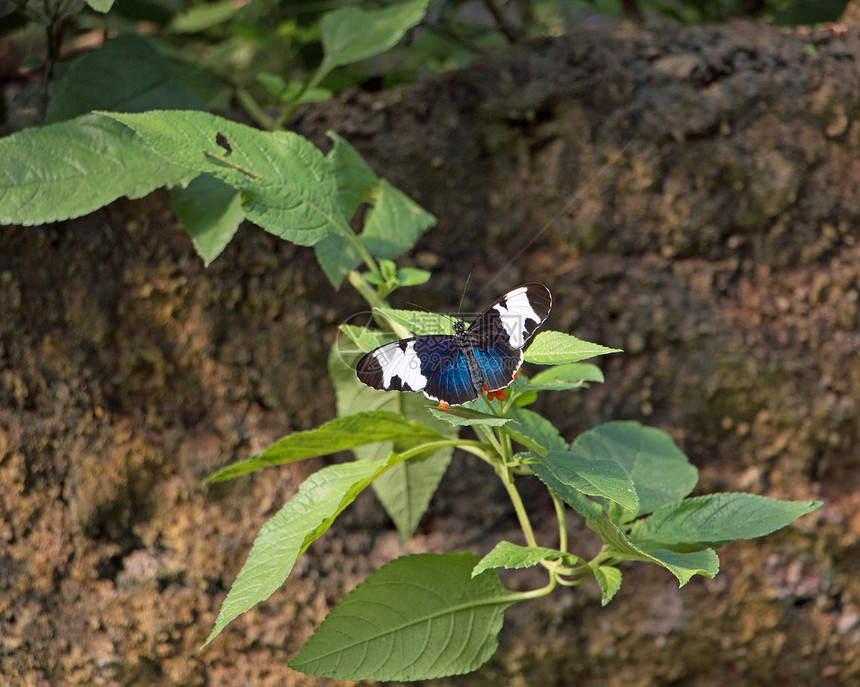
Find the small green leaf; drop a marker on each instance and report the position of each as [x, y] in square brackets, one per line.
[336, 435]
[604, 478]
[563, 377]
[464, 417]
[102, 6]
[661, 473]
[718, 518]
[418, 322]
[210, 211]
[198, 18]
[558, 348]
[418, 617]
[286, 536]
[682, 565]
[507, 555]
[609, 579]
[394, 223]
[351, 34]
[412, 276]
[126, 74]
[286, 183]
[69, 169]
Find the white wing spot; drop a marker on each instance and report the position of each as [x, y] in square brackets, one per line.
[514, 313]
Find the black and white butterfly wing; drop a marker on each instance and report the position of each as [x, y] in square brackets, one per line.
[436, 365]
[455, 369]
[497, 336]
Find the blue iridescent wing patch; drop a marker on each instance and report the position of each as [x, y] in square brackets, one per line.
[455, 369]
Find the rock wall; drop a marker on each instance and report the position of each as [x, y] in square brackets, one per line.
[689, 195]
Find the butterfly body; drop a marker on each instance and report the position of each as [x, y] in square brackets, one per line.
[454, 369]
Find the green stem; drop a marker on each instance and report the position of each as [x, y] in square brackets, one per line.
[562, 523]
[507, 479]
[365, 288]
[473, 447]
[535, 593]
[246, 100]
[293, 105]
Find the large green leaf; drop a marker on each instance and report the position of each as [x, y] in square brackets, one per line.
[351, 34]
[69, 169]
[210, 211]
[418, 617]
[534, 432]
[681, 565]
[337, 435]
[286, 536]
[355, 180]
[718, 518]
[604, 478]
[558, 348]
[394, 224]
[661, 473]
[126, 74]
[286, 183]
[572, 497]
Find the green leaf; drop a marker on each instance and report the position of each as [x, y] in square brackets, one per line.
[534, 432]
[405, 491]
[563, 377]
[394, 224]
[572, 497]
[412, 276]
[198, 18]
[69, 169]
[661, 473]
[465, 417]
[102, 6]
[336, 435]
[210, 211]
[355, 178]
[604, 478]
[286, 536]
[126, 74]
[507, 555]
[351, 34]
[336, 256]
[558, 348]
[609, 579]
[286, 183]
[718, 518]
[418, 322]
[418, 617]
[681, 565]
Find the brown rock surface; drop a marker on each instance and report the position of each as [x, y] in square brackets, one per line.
[690, 195]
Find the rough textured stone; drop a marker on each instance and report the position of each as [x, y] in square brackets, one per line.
[690, 195]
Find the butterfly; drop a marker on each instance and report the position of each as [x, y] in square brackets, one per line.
[455, 369]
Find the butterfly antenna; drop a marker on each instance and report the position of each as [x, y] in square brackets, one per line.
[465, 286]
